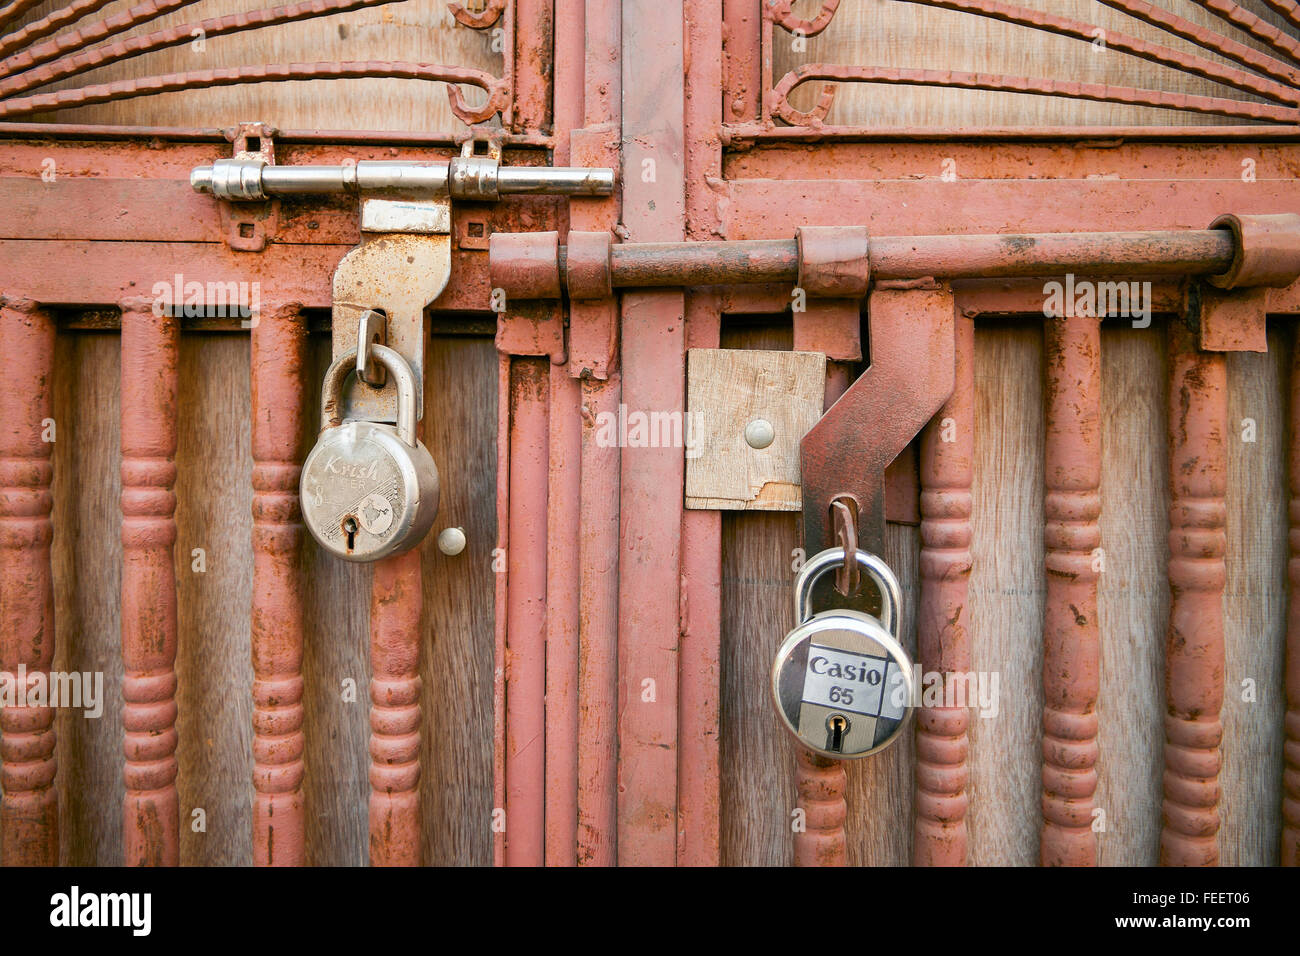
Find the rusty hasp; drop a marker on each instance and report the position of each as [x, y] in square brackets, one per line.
[910, 376]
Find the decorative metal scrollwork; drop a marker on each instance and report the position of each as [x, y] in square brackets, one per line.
[1268, 75]
[36, 55]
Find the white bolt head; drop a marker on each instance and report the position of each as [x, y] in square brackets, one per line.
[451, 540]
[759, 433]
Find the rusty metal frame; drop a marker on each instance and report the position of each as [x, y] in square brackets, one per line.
[608, 581]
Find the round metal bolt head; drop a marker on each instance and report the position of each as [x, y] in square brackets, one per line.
[451, 541]
[759, 433]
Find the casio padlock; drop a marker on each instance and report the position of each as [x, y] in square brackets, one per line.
[842, 682]
[369, 489]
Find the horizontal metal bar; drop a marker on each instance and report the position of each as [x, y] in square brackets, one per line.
[1192, 252]
[473, 177]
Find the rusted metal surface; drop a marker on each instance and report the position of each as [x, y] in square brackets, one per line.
[741, 60]
[395, 605]
[279, 405]
[150, 387]
[62, 16]
[526, 264]
[529, 60]
[598, 685]
[593, 357]
[1233, 321]
[1204, 37]
[910, 377]
[1257, 28]
[782, 13]
[653, 378]
[490, 14]
[1194, 650]
[1266, 250]
[699, 698]
[562, 614]
[820, 785]
[29, 813]
[1134, 46]
[1097, 92]
[942, 630]
[834, 261]
[587, 266]
[1071, 633]
[526, 627]
[530, 267]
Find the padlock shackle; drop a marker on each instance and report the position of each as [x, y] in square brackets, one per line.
[891, 595]
[346, 364]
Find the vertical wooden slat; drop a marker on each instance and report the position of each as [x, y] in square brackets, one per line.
[1194, 650]
[1291, 747]
[1071, 644]
[29, 811]
[279, 344]
[150, 385]
[525, 753]
[395, 605]
[942, 744]
[1005, 600]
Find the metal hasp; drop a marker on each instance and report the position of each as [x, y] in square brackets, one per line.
[403, 261]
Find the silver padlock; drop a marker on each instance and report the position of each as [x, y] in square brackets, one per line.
[369, 489]
[842, 682]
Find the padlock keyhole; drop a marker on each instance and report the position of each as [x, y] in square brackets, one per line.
[350, 529]
[838, 725]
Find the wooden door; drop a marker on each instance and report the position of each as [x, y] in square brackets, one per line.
[590, 678]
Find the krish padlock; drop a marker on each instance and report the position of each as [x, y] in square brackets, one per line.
[842, 682]
[369, 489]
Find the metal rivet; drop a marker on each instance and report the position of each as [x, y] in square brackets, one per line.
[451, 540]
[759, 433]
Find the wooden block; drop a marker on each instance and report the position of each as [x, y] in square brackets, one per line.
[726, 389]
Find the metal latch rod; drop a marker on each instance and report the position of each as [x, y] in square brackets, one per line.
[463, 177]
[526, 264]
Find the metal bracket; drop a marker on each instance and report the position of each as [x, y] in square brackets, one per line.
[249, 226]
[844, 456]
[403, 262]
[401, 265]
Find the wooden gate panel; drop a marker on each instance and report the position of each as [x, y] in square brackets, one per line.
[1133, 593]
[214, 590]
[87, 562]
[1254, 606]
[458, 627]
